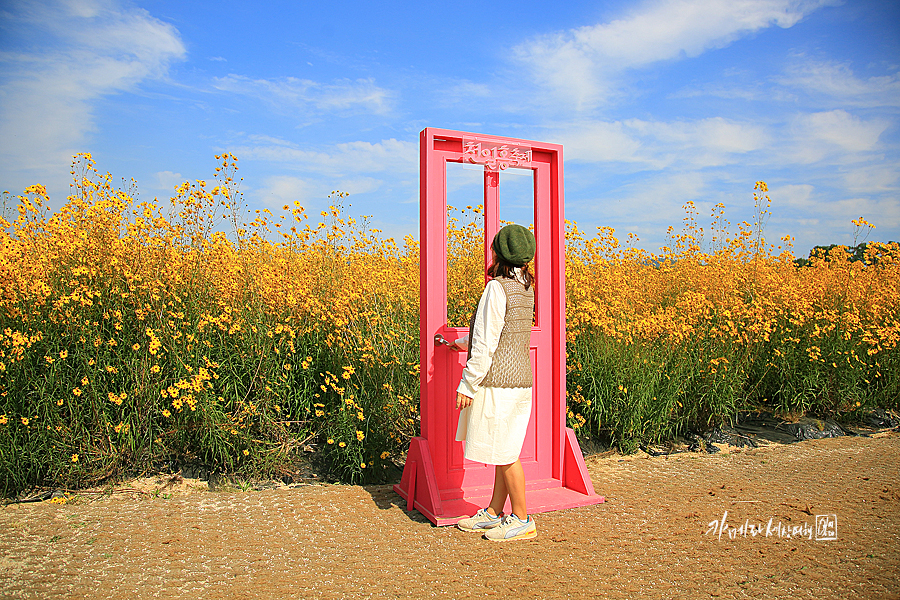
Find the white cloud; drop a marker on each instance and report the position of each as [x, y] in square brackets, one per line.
[359, 185]
[466, 90]
[720, 90]
[824, 134]
[874, 178]
[285, 189]
[454, 94]
[341, 159]
[87, 50]
[599, 141]
[646, 207]
[713, 138]
[261, 139]
[794, 196]
[292, 93]
[814, 216]
[836, 80]
[836, 217]
[312, 194]
[816, 81]
[657, 145]
[168, 180]
[581, 64]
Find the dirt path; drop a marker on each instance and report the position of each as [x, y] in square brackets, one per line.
[650, 540]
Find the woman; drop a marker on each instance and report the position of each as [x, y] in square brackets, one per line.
[494, 393]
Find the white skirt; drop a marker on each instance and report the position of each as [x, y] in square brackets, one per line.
[493, 427]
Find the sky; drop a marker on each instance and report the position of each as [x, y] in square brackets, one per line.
[656, 103]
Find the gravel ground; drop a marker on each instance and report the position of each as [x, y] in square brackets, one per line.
[659, 535]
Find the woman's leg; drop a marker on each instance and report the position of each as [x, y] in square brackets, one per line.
[509, 480]
[498, 497]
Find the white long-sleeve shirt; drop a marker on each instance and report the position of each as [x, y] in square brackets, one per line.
[489, 320]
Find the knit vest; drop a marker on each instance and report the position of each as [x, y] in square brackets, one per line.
[511, 363]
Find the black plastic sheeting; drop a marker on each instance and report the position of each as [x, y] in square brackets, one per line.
[882, 419]
[753, 429]
[764, 426]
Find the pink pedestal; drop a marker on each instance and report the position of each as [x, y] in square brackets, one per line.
[542, 495]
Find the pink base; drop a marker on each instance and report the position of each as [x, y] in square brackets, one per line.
[418, 486]
[539, 501]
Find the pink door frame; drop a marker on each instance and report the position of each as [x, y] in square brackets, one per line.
[437, 481]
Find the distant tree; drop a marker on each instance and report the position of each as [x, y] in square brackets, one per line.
[855, 253]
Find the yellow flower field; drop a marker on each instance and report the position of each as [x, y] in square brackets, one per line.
[662, 344]
[134, 335]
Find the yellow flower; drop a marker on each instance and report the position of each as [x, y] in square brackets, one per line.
[4, 419]
[166, 413]
[246, 452]
[330, 441]
[362, 465]
[59, 402]
[136, 347]
[360, 435]
[64, 354]
[342, 444]
[74, 458]
[385, 454]
[154, 369]
[76, 392]
[84, 381]
[24, 420]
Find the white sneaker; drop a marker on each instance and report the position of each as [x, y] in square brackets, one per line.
[512, 528]
[481, 521]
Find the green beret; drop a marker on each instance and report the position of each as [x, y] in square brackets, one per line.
[514, 244]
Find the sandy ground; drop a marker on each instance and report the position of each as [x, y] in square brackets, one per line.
[659, 535]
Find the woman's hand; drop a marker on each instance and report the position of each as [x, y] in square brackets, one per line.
[462, 401]
[460, 345]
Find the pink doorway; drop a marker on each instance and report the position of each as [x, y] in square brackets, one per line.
[437, 480]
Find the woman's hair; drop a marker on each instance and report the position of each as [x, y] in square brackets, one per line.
[501, 268]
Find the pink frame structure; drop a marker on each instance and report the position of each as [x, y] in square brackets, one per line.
[437, 480]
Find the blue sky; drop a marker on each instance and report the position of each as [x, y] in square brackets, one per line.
[656, 103]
